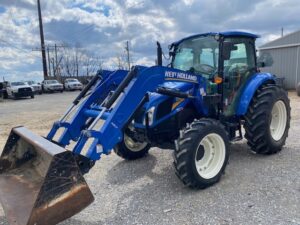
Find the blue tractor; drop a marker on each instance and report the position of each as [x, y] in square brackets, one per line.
[197, 105]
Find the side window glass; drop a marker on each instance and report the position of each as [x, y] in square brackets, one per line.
[237, 56]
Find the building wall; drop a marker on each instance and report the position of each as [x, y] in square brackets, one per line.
[292, 38]
[286, 64]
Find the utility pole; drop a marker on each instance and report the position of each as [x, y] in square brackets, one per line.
[282, 32]
[56, 65]
[128, 54]
[53, 67]
[49, 62]
[42, 41]
[55, 60]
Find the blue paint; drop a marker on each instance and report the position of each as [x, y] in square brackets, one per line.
[111, 132]
[250, 88]
[116, 118]
[225, 34]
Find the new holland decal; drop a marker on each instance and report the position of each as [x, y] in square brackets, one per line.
[180, 76]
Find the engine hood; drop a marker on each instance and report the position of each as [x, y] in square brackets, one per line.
[56, 84]
[155, 98]
[19, 86]
[72, 83]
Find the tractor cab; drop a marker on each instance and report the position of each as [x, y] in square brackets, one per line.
[225, 59]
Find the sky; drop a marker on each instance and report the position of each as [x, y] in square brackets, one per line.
[104, 26]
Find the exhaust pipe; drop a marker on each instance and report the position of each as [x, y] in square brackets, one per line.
[159, 54]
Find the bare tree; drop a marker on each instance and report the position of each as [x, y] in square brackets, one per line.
[78, 62]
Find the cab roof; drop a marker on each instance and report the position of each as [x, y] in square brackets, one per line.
[224, 34]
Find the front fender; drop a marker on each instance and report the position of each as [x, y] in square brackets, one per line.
[250, 88]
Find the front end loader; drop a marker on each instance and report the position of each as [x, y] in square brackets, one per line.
[197, 106]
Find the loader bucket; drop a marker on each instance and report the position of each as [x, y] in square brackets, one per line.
[40, 182]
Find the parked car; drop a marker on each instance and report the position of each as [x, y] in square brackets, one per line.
[18, 90]
[37, 88]
[3, 89]
[72, 84]
[52, 86]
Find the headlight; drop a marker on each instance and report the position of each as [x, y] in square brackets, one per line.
[150, 113]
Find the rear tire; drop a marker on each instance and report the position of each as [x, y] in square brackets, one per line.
[267, 121]
[32, 96]
[5, 95]
[201, 154]
[130, 149]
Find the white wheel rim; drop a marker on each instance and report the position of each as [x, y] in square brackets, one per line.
[278, 120]
[210, 164]
[132, 145]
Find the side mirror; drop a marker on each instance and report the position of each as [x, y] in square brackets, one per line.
[264, 60]
[261, 64]
[227, 48]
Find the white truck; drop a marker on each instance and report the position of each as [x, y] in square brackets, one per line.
[19, 90]
[52, 86]
[72, 84]
[37, 87]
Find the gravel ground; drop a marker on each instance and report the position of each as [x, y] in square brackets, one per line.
[255, 189]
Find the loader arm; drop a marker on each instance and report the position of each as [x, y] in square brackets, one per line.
[107, 81]
[122, 105]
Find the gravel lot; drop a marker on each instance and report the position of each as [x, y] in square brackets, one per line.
[255, 189]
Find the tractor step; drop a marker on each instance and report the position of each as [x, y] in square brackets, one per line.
[40, 182]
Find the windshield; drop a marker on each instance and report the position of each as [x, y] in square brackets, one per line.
[199, 55]
[30, 82]
[72, 80]
[17, 83]
[52, 82]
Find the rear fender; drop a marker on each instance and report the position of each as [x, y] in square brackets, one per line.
[250, 88]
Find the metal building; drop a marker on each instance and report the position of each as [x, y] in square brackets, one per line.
[285, 53]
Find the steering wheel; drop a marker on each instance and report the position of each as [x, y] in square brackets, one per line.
[205, 68]
[238, 67]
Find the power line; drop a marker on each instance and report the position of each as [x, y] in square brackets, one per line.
[12, 45]
[55, 61]
[80, 34]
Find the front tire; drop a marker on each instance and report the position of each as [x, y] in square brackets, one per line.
[130, 149]
[267, 121]
[201, 154]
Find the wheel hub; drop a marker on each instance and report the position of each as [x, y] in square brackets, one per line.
[278, 120]
[210, 155]
[132, 145]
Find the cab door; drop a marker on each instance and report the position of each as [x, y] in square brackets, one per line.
[238, 66]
